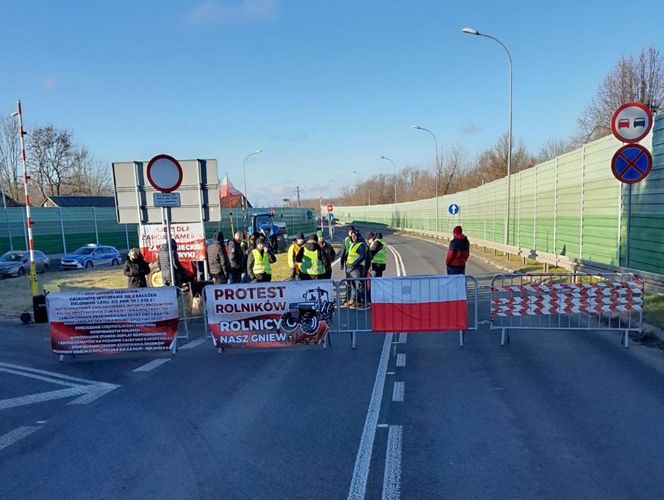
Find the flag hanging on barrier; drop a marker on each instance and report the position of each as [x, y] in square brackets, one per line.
[419, 304]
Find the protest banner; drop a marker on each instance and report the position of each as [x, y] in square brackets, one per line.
[276, 314]
[112, 321]
[190, 240]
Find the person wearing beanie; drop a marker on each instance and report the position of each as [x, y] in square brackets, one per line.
[328, 252]
[458, 252]
[217, 258]
[293, 250]
[236, 249]
[311, 259]
[378, 253]
[347, 243]
[259, 262]
[136, 269]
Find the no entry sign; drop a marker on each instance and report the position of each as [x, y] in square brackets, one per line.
[631, 163]
[631, 122]
[164, 173]
[330, 207]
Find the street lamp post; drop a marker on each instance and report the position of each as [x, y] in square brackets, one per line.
[395, 182]
[244, 178]
[435, 143]
[473, 31]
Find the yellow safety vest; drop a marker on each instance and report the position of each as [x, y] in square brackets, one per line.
[352, 253]
[381, 256]
[261, 262]
[347, 243]
[292, 253]
[311, 264]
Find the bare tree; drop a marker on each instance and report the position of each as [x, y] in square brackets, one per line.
[555, 147]
[55, 159]
[492, 163]
[632, 79]
[10, 150]
[90, 177]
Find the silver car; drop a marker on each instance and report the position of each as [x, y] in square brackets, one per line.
[17, 263]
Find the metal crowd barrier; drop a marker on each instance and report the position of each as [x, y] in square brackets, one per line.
[590, 302]
[356, 317]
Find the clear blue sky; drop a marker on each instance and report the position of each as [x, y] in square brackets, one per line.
[323, 87]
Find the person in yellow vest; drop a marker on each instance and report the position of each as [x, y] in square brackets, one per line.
[347, 242]
[293, 250]
[378, 253]
[259, 262]
[312, 260]
[355, 270]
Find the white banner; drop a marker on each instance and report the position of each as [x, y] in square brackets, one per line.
[190, 240]
[106, 321]
[275, 314]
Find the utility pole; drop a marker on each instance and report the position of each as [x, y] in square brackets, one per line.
[298, 196]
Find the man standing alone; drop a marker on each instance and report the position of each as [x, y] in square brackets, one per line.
[458, 252]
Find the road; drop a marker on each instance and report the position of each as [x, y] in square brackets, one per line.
[551, 415]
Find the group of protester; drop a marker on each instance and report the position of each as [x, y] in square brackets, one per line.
[243, 261]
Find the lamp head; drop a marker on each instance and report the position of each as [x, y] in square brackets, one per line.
[470, 31]
[414, 125]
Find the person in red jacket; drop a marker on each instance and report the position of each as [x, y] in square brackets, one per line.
[458, 253]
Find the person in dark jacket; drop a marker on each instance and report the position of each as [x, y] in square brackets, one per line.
[259, 263]
[136, 269]
[237, 257]
[312, 260]
[217, 259]
[378, 253]
[355, 268]
[165, 264]
[458, 252]
[329, 253]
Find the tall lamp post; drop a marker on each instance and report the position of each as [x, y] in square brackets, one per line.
[473, 31]
[435, 143]
[244, 177]
[395, 182]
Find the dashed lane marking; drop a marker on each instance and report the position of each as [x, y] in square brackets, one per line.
[398, 392]
[392, 474]
[152, 365]
[193, 344]
[401, 359]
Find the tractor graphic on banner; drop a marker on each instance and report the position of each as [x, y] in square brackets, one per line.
[308, 315]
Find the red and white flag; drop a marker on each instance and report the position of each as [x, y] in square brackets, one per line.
[419, 304]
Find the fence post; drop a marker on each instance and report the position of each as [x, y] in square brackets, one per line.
[127, 236]
[620, 209]
[94, 216]
[62, 231]
[555, 208]
[535, 212]
[582, 207]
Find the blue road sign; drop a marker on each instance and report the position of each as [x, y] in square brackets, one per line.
[631, 163]
[453, 209]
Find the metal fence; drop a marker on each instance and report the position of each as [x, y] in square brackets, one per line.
[606, 302]
[355, 317]
[62, 230]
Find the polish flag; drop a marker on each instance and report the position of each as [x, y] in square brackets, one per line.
[419, 304]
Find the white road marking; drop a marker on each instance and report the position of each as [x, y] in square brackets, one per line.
[403, 338]
[358, 485]
[193, 344]
[41, 397]
[87, 390]
[392, 474]
[382, 426]
[398, 391]
[401, 359]
[41, 421]
[19, 433]
[152, 365]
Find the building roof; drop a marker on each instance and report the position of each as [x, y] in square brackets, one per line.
[9, 201]
[82, 201]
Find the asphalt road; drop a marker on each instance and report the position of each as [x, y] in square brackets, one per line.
[552, 415]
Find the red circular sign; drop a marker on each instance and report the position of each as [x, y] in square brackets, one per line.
[330, 207]
[631, 122]
[164, 173]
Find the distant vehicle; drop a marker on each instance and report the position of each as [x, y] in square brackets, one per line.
[91, 255]
[17, 263]
[639, 122]
[623, 123]
[275, 233]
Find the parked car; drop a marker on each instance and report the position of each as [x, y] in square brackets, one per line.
[91, 255]
[17, 263]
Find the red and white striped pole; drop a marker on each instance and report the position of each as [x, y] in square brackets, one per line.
[32, 276]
